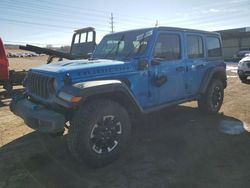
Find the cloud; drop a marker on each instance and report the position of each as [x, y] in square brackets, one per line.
[214, 10]
[238, 1]
[211, 10]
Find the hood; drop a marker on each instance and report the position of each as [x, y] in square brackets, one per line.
[71, 65]
[247, 58]
[79, 69]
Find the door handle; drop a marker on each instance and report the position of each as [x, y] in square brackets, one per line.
[180, 69]
[199, 66]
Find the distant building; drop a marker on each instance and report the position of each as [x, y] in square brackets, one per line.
[234, 40]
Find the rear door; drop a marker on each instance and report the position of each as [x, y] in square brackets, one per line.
[168, 70]
[196, 62]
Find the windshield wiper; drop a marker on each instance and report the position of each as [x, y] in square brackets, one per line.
[115, 47]
[139, 45]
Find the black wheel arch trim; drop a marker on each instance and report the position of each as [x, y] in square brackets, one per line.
[99, 87]
[215, 72]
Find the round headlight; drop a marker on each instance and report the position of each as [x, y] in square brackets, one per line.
[241, 63]
[67, 79]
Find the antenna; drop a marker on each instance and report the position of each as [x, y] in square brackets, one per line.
[112, 23]
[156, 23]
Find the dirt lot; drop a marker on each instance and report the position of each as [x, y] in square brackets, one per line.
[176, 147]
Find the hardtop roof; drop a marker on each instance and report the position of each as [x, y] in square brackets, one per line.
[171, 29]
[186, 30]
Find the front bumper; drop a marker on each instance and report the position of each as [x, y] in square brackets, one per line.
[37, 116]
[242, 72]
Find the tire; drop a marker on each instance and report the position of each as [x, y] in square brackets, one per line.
[8, 87]
[243, 78]
[211, 101]
[99, 132]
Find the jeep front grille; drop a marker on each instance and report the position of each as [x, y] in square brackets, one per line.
[39, 85]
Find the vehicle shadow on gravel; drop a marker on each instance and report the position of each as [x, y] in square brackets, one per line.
[176, 147]
[247, 82]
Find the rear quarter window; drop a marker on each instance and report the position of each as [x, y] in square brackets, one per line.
[213, 47]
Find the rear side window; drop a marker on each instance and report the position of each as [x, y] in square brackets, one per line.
[195, 47]
[213, 47]
[168, 47]
[83, 38]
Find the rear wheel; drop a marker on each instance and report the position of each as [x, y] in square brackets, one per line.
[99, 132]
[212, 100]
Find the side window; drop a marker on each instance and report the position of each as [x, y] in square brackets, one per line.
[83, 38]
[195, 46]
[168, 47]
[214, 47]
[90, 37]
[77, 38]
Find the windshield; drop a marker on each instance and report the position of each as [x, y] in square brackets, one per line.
[123, 45]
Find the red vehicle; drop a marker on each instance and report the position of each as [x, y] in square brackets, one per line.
[8, 78]
[4, 67]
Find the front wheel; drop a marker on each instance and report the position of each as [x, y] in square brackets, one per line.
[211, 101]
[243, 78]
[8, 86]
[99, 132]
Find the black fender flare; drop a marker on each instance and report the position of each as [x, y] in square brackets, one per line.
[88, 89]
[215, 72]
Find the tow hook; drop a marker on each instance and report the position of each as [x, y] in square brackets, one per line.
[57, 134]
[15, 99]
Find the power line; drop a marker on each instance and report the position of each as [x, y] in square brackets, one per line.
[58, 17]
[58, 11]
[55, 19]
[90, 9]
[73, 7]
[50, 8]
[38, 10]
[119, 15]
[59, 14]
[40, 24]
[140, 23]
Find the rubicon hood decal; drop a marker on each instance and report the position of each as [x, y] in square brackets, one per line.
[85, 68]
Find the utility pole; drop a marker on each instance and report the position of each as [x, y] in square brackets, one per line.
[112, 23]
[156, 23]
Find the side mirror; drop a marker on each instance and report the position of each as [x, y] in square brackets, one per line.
[155, 62]
[142, 64]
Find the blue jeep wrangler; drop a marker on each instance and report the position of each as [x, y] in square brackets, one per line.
[130, 73]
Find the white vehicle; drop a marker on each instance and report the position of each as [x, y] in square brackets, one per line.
[244, 68]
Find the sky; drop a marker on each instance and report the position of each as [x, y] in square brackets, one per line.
[43, 22]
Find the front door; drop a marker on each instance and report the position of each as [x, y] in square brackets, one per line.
[168, 70]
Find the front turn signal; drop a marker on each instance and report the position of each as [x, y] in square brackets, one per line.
[69, 97]
[76, 99]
